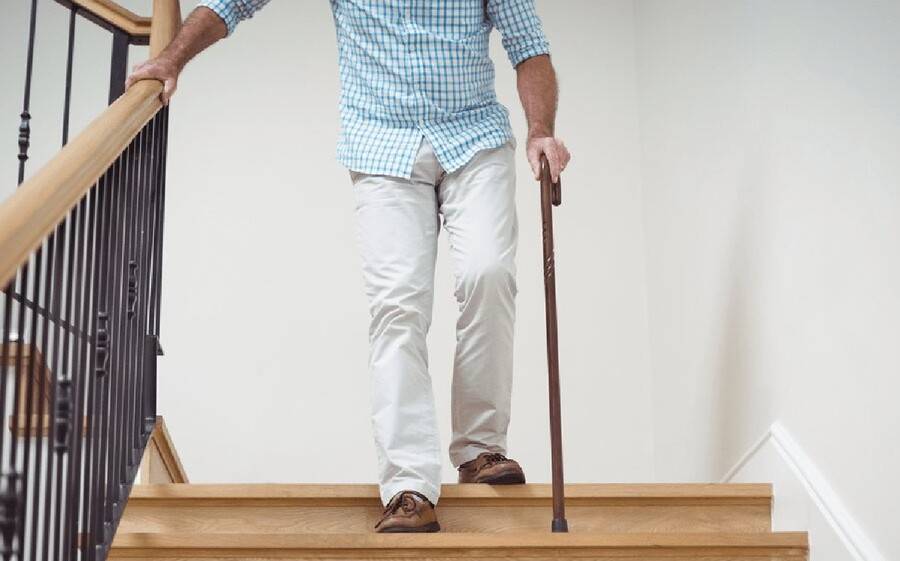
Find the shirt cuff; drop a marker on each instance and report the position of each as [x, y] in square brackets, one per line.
[225, 11]
[525, 51]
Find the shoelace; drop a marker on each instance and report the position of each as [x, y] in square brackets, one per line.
[495, 458]
[488, 459]
[403, 501]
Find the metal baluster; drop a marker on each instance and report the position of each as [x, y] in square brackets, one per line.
[8, 496]
[40, 373]
[59, 401]
[13, 502]
[131, 325]
[119, 194]
[144, 409]
[157, 282]
[10, 505]
[141, 293]
[146, 355]
[98, 357]
[25, 124]
[7, 505]
[78, 489]
[73, 12]
[29, 379]
[119, 346]
[154, 273]
[45, 394]
[69, 428]
[106, 321]
[118, 66]
[110, 419]
[106, 337]
[12, 489]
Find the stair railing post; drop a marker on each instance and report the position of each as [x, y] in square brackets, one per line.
[550, 197]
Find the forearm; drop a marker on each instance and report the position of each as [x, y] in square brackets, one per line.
[539, 93]
[201, 29]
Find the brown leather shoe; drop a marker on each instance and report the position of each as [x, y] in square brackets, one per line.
[491, 468]
[408, 511]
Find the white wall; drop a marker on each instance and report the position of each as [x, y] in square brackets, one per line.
[770, 135]
[264, 318]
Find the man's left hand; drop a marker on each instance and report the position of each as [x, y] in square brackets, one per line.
[557, 155]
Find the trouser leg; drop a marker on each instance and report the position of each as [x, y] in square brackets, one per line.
[397, 226]
[478, 206]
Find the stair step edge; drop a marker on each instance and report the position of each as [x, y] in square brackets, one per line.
[343, 494]
[169, 541]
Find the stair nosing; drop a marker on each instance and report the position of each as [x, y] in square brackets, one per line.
[538, 494]
[796, 541]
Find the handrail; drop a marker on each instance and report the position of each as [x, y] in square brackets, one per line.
[166, 23]
[45, 199]
[118, 16]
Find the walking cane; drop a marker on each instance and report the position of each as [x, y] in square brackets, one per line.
[550, 197]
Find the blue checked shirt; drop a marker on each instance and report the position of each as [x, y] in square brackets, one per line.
[418, 68]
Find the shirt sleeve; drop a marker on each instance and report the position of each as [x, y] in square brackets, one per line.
[520, 27]
[233, 12]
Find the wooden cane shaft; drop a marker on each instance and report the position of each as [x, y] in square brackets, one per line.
[550, 194]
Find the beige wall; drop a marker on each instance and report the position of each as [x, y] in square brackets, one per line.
[771, 133]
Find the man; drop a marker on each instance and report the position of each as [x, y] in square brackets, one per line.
[424, 138]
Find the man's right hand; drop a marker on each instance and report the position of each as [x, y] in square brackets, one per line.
[160, 68]
[201, 29]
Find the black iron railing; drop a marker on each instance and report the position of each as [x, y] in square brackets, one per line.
[79, 340]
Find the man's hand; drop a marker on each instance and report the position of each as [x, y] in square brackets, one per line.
[160, 68]
[201, 29]
[557, 155]
[536, 80]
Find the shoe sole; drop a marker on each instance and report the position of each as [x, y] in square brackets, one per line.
[512, 478]
[426, 529]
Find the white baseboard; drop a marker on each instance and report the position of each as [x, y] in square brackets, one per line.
[804, 500]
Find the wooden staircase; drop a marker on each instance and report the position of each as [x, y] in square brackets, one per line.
[607, 521]
[169, 519]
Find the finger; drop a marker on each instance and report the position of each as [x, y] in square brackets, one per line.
[565, 156]
[534, 160]
[137, 76]
[169, 87]
[553, 159]
[132, 78]
[134, 70]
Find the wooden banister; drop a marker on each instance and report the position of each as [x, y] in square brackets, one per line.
[45, 199]
[166, 23]
[117, 16]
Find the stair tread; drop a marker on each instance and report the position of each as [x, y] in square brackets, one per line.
[741, 493]
[450, 539]
[531, 540]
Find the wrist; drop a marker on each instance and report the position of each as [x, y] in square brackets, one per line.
[171, 57]
[541, 132]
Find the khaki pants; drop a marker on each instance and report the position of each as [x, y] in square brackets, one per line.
[398, 222]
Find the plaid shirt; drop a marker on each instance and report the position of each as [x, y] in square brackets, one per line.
[418, 68]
